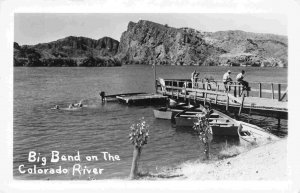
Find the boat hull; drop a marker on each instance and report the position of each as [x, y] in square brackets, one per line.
[216, 129]
[252, 135]
[219, 127]
[159, 114]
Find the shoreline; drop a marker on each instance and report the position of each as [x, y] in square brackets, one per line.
[266, 162]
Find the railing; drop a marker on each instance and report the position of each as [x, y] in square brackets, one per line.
[258, 89]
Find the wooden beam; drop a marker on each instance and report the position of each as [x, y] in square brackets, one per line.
[242, 105]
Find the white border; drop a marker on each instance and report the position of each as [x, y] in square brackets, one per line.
[7, 10]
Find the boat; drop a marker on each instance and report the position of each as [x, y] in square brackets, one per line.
[220, 123]
[253, 135]
[168, 113]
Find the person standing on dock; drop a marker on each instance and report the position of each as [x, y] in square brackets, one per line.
[240, 79]
[102, 95]
[193, 78]
[226, 80]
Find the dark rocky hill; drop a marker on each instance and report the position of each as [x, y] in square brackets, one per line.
[69, 51]
[146, 42]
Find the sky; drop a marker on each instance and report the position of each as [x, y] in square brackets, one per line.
[33, 28]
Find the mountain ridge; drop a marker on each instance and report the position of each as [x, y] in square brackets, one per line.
[146, 42]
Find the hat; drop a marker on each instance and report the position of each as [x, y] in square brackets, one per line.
[229, 71]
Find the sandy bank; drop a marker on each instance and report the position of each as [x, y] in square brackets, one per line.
[266, 162]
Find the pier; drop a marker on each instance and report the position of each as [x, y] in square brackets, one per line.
[266, 99]
[142, 99]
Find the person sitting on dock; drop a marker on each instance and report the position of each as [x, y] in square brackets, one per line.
[102, 95]
[240, 79]
[226, 80]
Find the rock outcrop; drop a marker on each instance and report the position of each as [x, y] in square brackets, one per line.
[146, 42]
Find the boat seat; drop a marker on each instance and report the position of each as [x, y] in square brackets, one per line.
[194, 112]
[214, 115]
[228, 124]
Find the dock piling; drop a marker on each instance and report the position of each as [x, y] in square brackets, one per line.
[242, 105]
[234, 91]
[259, 86]
[227, 103]
[279, 92]
[272, 89]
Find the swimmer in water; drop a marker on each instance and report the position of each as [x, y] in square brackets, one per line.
[79, 104]
[71, 106]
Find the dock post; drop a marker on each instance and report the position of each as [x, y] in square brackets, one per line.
[155, 85]
[234, 91]
[279, 92]
[272, 89]
[185, 83]
[177, 94]
[259, 86]
[278, 125]
[205, 95]
[195, 96]
[216, 99]
[239, 90]
[249, 115]
[227, 103]
[172, 84]
[242, 105]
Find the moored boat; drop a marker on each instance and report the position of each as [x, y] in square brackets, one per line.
[220, 123]
[253, 135]
[168, 113]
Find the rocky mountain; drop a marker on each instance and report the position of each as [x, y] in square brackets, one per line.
[69, 51]
[146, 42]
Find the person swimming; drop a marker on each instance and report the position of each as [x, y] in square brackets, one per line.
[56, 107]
[78, 104]
[71, 106]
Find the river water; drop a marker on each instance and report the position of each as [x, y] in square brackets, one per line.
[99, 128]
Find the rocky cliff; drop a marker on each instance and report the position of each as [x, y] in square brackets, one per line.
[69, 51]
[146, 42]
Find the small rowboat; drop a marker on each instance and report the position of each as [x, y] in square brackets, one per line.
[220, 123]
[253, 135]
[168, 113]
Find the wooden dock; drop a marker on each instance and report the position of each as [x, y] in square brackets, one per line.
[259, 101]
[143, 99]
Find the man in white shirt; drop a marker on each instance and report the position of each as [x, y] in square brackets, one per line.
[226, 80]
